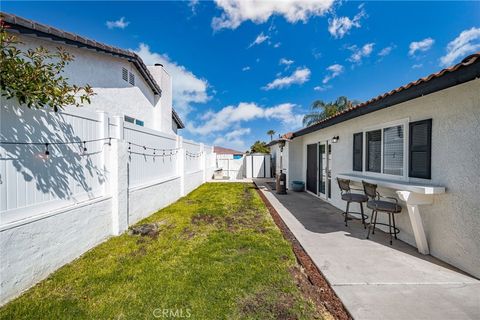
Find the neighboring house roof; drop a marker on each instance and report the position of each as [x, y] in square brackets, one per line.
[177, 119]
[468, 69]
[27, 26]
[286, 137]
[221, 150]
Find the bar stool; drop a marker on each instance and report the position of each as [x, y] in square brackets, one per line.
[348, 196]
[376, 204]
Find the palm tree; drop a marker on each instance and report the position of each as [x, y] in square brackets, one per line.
[271, 133]
[322, 110]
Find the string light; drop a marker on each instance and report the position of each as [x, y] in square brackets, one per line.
[47, 153]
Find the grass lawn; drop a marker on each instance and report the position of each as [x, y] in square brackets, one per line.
[217, 255]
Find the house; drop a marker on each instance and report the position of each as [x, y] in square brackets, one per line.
[123, 84]
[419, 143]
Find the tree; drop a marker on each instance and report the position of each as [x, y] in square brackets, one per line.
[259, 147]
[34, 76]
[271, 133]
[321, 110]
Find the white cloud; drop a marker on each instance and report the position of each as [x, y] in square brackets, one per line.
[340, 26]
[322, 88]
[334, 71]
[120, 24]
[230, 116]
[187, 87]
[193, 4]
[233, 139]
[259, 39]
[417, 66]
[299, 76]
[277, 45]
[285, 61]
[360, 53]
[421, 46]
[385, 51]
[235, 12]
[468, 41]
[246, 68]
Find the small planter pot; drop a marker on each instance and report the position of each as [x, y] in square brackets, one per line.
[298, 186]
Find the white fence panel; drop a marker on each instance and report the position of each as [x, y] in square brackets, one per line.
[152, 155]
[232, 168]
[193, 156]
[32, 182]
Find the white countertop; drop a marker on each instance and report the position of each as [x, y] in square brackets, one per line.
[395, 184]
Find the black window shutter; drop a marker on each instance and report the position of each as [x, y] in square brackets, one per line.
[358, 151]
[420, 149]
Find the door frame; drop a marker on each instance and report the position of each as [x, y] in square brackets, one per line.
[328, 168]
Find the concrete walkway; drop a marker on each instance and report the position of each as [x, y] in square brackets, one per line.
[373, 279]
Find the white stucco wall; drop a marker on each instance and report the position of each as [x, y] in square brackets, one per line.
[452, 223]
[113, 94]
[32, 249]
[144, 201]
[193, 180]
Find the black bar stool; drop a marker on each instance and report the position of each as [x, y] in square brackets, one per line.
[377, 205]
[347, 195]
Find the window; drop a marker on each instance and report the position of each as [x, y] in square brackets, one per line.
[398, 149]
[384, 149]
[420, 149]
[393, 150]
[134, 121]
[131, 79]
[358, 151]
[129, 119]
[374, 150]
[125, 74]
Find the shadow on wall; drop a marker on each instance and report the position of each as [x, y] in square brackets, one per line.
[66, 171]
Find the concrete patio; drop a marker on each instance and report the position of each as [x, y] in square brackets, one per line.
[373, 279]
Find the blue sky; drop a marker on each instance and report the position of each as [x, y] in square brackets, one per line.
[239, 71]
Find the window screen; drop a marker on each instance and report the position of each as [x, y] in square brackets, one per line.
[393, 150]
[124, 74]
[420, 149]
[374, 150]
[358, 151]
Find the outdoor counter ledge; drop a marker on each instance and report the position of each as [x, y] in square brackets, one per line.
[413, 194]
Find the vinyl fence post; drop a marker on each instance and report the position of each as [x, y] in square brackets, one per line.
[202, 162]
[119, 179]
[181, 165]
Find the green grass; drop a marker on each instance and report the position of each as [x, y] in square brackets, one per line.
[218, 255]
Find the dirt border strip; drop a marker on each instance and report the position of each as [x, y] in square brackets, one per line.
[328, 297]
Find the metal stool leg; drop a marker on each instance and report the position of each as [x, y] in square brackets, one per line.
[370, 224]
[346, 213]
[363, 217]
[394, 226]
[375, 222]
[390, 226]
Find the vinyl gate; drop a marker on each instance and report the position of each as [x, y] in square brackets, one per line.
[258, 166]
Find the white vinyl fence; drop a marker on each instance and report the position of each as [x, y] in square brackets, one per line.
[69, 180]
